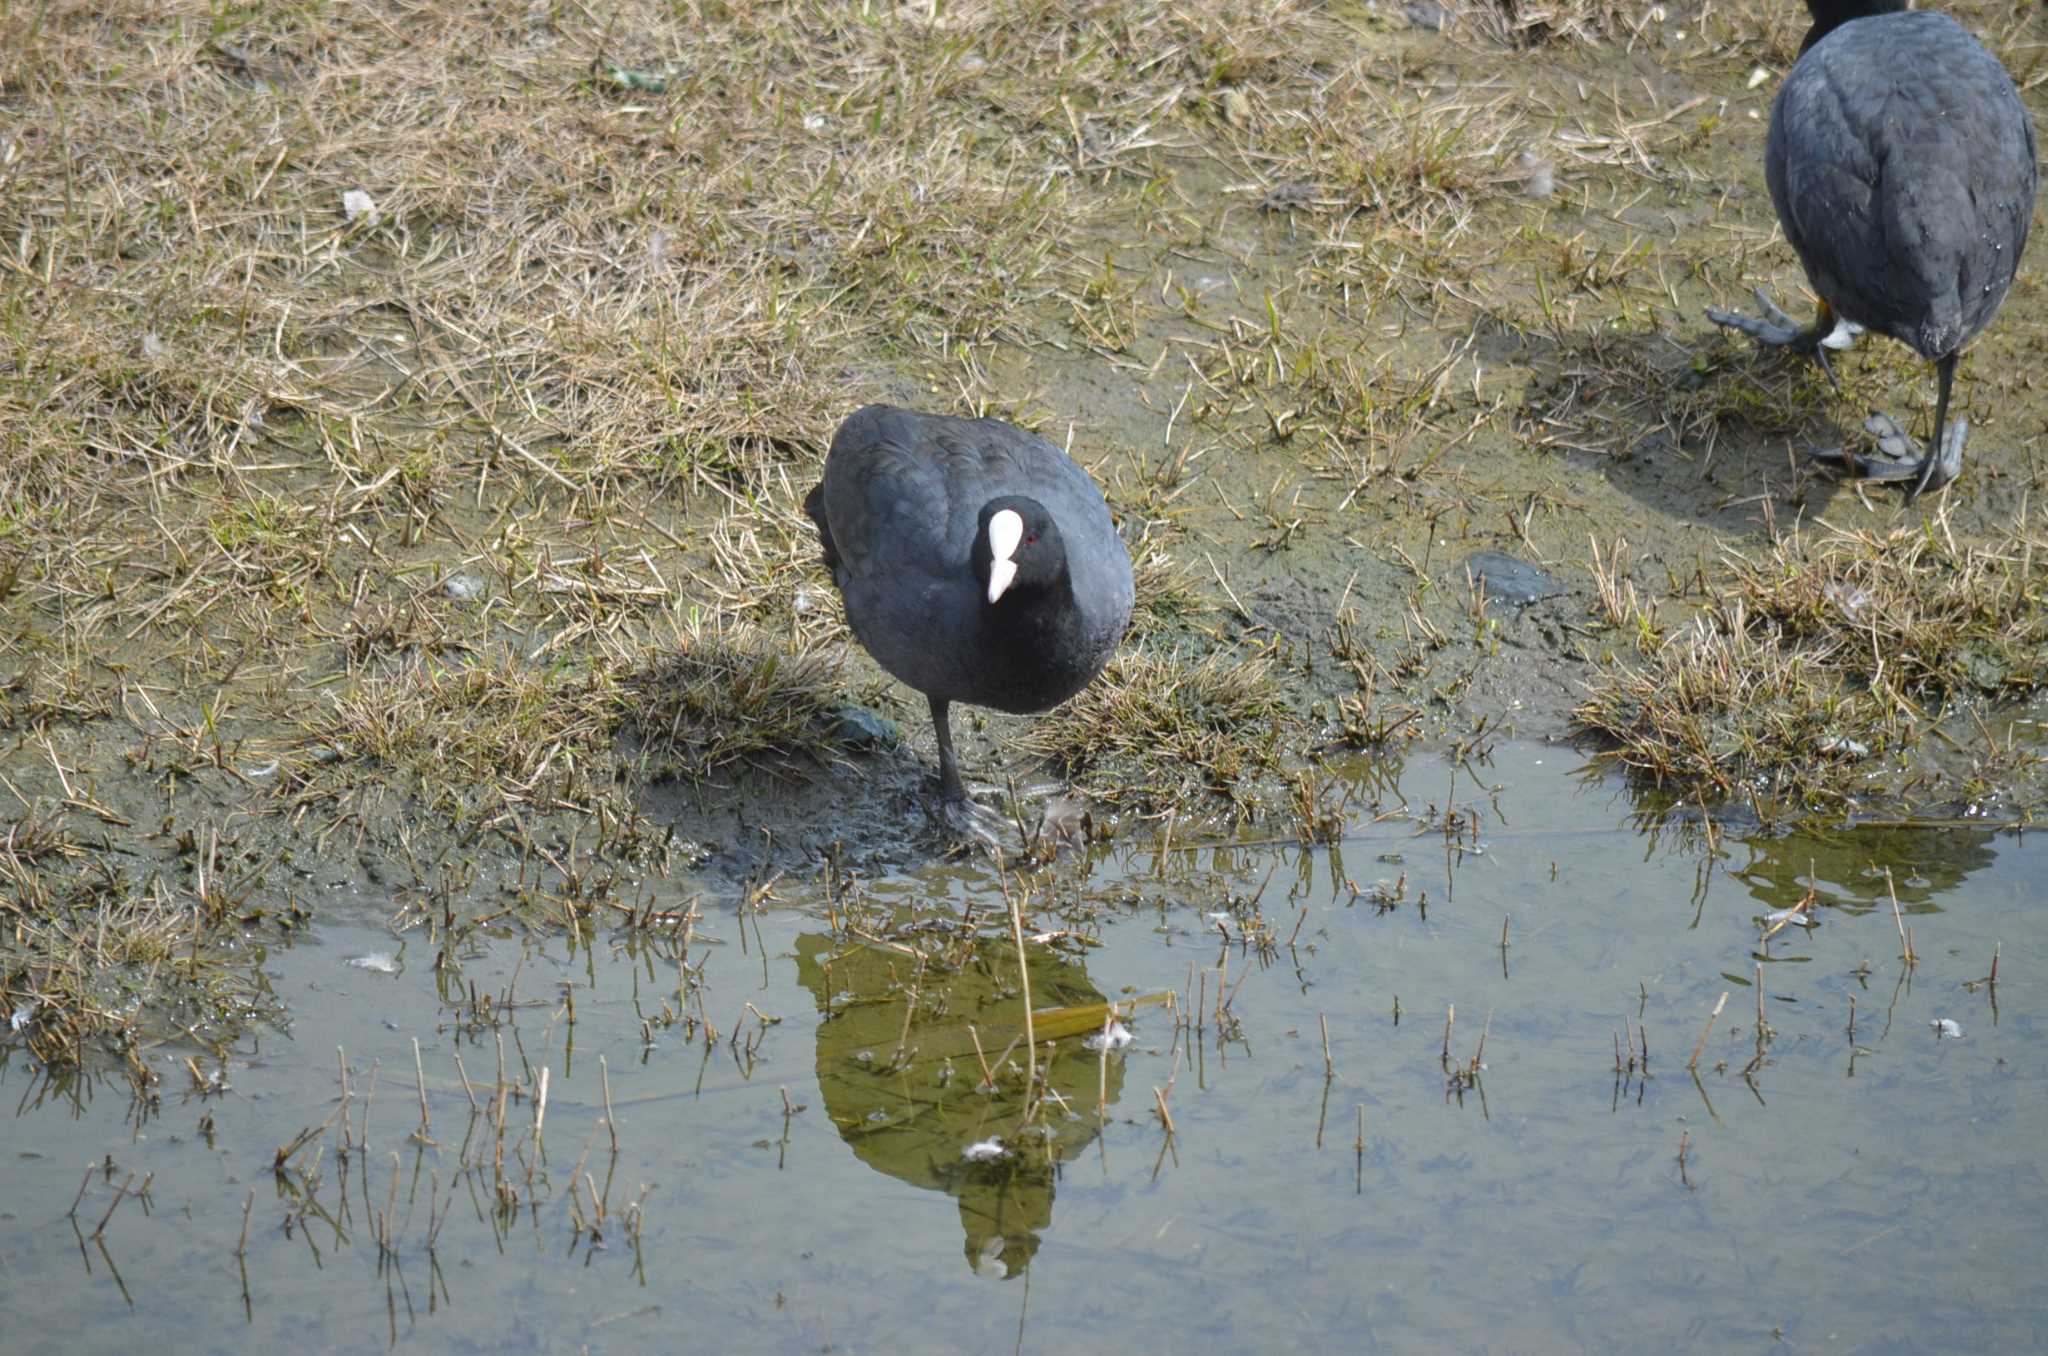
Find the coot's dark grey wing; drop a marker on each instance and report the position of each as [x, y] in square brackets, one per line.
[1901, 163]
[1824, 183]
[899, 550]
[886, 495]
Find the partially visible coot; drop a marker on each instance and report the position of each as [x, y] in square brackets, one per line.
[978, 562]
[1901, 164]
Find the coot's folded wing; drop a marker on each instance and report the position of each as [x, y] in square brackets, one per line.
[886, 494]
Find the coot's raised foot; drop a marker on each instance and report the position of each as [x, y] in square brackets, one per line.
[1037, 821]
[1778, 330]
[963, 816]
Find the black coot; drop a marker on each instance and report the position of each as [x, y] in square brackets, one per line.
[978, 562]
[1901, 163]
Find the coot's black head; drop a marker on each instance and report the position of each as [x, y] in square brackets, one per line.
[1017, 550]
[1829, 15]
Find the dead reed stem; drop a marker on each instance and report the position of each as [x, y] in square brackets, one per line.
[1024, 982]
[420, 1079]
[1694, 1063]
[1165, 1116]
[611, 1122]
[1102, 1069]
[1899, 917]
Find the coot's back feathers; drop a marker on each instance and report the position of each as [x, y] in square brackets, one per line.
[1902, 165]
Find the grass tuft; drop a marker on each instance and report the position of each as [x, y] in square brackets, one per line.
[1156, 732]
[1820, 660]
[1170, 595]
[732, 694]
[464, 740]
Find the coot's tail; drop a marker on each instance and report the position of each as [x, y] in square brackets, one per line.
[814, 505]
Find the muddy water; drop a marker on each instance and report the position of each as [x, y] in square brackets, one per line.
[1880, 1190]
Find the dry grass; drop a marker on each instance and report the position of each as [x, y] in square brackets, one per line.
[1160, 733]
[1401, 169]
[463, 740]
[735, 695]
[1829, 655]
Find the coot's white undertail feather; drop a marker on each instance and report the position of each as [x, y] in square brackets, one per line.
[1901, 163]
[978, 562]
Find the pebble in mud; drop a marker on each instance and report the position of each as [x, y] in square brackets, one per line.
[464, 587]
[1425, 14]
[1514, 582]
[859, 728]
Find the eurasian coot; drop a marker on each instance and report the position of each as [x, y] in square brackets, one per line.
[978, 562]
[1901, 163]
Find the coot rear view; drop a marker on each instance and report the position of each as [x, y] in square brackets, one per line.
[978, 562]
[1901, 164]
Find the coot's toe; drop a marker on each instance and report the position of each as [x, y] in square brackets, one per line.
[1895, 457]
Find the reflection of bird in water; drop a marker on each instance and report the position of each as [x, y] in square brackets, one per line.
[1926, 864]
[1901, 164]
[907, 1099]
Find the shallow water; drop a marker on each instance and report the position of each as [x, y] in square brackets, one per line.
[1881, 1192]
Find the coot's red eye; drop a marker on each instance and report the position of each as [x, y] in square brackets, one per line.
[1031, 540]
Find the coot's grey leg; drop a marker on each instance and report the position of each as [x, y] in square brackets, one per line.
[957, 810]
[1779, 330]
[950, 786]
[1897, 458]
[1944, 461]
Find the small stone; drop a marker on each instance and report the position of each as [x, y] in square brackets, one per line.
[859, 728]
[1425, 14]
[465, 587]
[357, 205]
[1511, 581]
